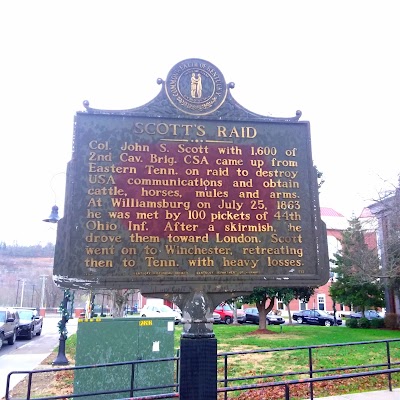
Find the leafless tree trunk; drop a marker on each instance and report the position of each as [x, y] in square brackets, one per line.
[289, 313]
[263, 311]
[119, 299]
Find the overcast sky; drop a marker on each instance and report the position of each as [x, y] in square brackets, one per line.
[337, 62]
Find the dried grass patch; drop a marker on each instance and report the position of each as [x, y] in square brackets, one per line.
[53, 383]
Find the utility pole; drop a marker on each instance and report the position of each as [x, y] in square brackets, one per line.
[33, 292]
[22, 292]
[43, 285]
[16, 298]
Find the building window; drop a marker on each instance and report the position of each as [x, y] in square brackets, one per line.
[302, 305]
[321, 302]
[280, 305]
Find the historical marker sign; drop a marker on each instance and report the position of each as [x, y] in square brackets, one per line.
[190, 191]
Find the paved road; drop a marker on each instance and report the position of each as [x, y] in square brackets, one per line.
[26, 355]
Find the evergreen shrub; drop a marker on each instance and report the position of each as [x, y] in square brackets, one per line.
[364, 323]
[352, 322]
[377, 323]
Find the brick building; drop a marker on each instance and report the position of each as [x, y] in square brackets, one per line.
[336, 223]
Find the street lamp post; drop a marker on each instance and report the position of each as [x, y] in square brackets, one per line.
[61, 358]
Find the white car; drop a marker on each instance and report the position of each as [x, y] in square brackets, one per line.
[155, 310]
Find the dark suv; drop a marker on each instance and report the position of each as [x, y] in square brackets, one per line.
[30, 322]
[9, 322]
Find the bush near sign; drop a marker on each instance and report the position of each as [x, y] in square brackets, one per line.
[182, 195]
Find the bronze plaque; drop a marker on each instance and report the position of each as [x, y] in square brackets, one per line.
[190, 191]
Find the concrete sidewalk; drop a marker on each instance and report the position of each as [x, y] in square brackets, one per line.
[379, 395]
[29, 354]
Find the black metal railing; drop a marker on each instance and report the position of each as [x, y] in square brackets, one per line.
[132, 390]
[313, 374]
[308, 375]
[287, 383]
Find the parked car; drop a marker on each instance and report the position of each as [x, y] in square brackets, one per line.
[315, 317]
[226, 313]
[217, 318]
[369, 314]
[30, 322]
[9, 322]
[156, 310]
[274, 319]
[252, 316]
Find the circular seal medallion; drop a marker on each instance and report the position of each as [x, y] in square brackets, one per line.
[196, 87]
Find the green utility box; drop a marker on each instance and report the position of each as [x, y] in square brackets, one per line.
[101, 341]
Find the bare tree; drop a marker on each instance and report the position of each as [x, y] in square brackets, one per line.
[119, 300]
[387, 212]
[53, 294]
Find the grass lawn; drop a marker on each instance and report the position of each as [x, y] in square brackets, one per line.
[293, 335]
[237, 338]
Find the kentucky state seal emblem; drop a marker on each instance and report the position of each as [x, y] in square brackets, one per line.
[196, 87]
